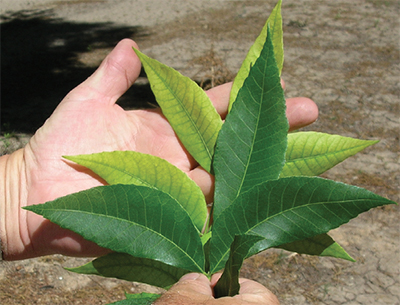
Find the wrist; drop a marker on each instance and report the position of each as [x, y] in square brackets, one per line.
[13, 197]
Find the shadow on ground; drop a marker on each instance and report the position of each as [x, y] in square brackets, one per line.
[39, 64]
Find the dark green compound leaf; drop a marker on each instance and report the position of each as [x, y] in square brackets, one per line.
[287, 210]
[321, 245]
[138, 299]
[136, 220]
[313, 153]
[143, 296]
[187, 107]
[228, 284]
[131, 167]
[252, 142]
[135, 269]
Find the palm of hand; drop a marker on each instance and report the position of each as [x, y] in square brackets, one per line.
[88, 121]
[84, 127]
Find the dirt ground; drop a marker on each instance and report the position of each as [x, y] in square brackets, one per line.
[342, 54]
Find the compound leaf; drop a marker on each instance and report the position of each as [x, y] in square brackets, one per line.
[135, 269]
[287, 210]
[312, 153]
[136, 220]
[187, 108]
[275, 24]
[252, 142]
[130, 167]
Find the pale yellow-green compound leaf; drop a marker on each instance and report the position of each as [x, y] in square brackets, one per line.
[187, 108]
[275, 25]
[130, 167]
[313, 153]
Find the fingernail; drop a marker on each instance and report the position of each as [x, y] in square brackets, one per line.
[190, 277]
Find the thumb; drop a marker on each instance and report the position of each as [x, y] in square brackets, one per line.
[192, 288]
[115, 75]
[194, 283]
[255, 293]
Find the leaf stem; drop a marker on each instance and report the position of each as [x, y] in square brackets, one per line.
[207, 224]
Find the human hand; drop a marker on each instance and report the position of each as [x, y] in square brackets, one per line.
[195, 288]
[88, 120]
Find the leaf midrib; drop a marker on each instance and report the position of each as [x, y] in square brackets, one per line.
[164, 272]
[160, 270]
[120, 169]
[299, 159]
[263, 93]
[252, 146]
[185, 110]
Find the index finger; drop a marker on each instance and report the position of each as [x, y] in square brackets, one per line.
[300, 111]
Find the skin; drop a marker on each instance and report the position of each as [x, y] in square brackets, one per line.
[89, 121]
[196, 289]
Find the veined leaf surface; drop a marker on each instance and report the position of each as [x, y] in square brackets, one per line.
[135, 269]
[130, 167]
[252, 142]
[286, 210]
[275, 24]
[187, 108]
[136, 220]
[312, 153]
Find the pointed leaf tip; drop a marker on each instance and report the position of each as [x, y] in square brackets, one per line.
[131, 167]
[312, 153]
[274, 23]
[322, 245]
[187, 108]
[134, 269]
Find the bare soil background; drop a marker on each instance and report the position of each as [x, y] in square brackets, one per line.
[342, 54]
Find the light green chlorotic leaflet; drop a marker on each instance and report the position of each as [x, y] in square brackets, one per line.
[187, 107]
